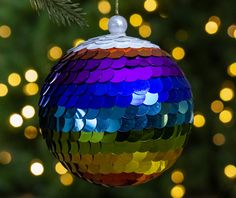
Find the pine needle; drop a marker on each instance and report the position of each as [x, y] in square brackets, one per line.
[61, 11]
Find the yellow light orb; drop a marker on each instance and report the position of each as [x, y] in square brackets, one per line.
[177, 176]
[231, 70]
[28, 112]
[178, 53]
[60, 169]
[226, 116]
[103, 23]
[226, 94]
[3, 90]
[104, 7]
[230, 171]
[37, 168]
[5, 157]
[5, 31]
[150, 5]
[31, 75]
[55, 53]
[136, 20]
[216, 19]
[211, 27]
[30, 132]
[31, 89]
[16, 120]
[218, 139]
[231, 31]
[14, 79]
[77, 42]
[199, 120]
[66, 179]
[217, 106]
[177, 191]
[145, 31]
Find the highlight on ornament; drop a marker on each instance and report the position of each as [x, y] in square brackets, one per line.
[116, 110]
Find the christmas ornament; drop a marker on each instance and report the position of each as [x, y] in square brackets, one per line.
[116, 110]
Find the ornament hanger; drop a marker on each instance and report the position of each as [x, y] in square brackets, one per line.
[117, 7]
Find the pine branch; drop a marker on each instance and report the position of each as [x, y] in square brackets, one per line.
[61, 11]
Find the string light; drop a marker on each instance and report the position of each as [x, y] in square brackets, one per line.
[31, 89]
[226, 116]
[177, 191]
[230, 171]
[211, 27]
[54, 53]
[226, 94]
[231, 70]
[5, 157]
[31, 75]
[145, 31]
[28, 112]
[60, 169]
[177, 176]
[5, 31]
[150, 5]
[16, 120]
[3, 90]
[14, 79]
[104, 7]
[30, 132]
[178, 53]
[66, 179]
[217, 106]
[77, 42]
[103, 23]
[37, 168]
[136, 20]
[199, 120]
[218, 139]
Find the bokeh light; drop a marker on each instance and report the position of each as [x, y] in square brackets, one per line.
[199, 120]
[77, 42]
[5, 31]
[31, 89]
[226, 116]
[55, 53]
[217, 106]
[103, 23]
[36, 168]
[216, 19]
[66, 179]
[145, 31]
[14, 79]
[136, 20]
[232, 31]
[3, 90]
[211, 27]
[104, 7]
[218, 139]
[177, 176]
[231, 70]
[60, 169]
[230, 171]
[150, 5]
[28, 112]
[226, 94]
[31, 75]
[177, 191]
[178, 53]
[16, 120]
[30, 132]
[5, 157]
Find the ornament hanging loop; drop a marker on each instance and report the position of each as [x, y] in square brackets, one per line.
[117, 7]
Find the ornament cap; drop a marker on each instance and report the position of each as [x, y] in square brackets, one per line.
[117, 25]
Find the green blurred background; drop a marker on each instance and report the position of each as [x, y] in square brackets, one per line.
[200, 35]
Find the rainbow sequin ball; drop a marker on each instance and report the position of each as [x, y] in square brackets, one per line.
[116, 110]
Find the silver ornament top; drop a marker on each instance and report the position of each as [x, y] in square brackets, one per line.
[117, 25]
